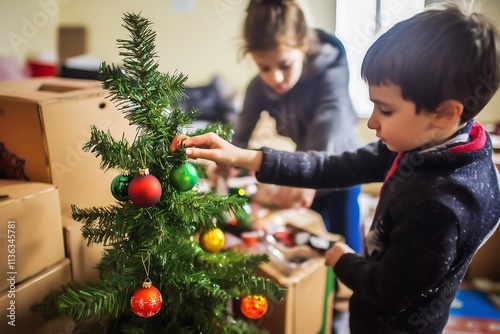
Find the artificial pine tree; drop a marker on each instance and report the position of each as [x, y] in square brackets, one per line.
[148, 232]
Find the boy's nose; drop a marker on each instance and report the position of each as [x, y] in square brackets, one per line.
[372, 122]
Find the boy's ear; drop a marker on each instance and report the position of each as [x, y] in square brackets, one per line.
[448, 113]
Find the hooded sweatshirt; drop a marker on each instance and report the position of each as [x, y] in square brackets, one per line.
[317, 113]
[436, 208]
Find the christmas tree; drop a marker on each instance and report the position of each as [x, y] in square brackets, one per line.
[154, 276]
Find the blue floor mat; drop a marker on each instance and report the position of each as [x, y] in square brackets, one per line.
[475, 304]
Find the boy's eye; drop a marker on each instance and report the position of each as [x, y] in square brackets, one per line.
[382, 111]
[385, 112]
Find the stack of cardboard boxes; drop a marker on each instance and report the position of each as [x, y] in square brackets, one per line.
[33, 260]
[44, 123]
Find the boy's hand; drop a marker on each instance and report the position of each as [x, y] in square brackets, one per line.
[212, 147]
[334, 253]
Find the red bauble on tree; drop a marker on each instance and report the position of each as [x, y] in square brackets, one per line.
[253, 306]
[146, 300]
[144, 190]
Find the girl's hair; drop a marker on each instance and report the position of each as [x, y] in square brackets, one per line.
[440, 54]
[273, 23]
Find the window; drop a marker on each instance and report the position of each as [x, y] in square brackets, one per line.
[358, 24]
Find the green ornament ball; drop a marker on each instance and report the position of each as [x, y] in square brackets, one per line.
[119, 187]
[184, 176]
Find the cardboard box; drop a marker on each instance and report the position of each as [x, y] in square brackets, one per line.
[308, 304]
[46, 121]
[486, 262]
[30, 230]
[16, 305]
[83, 258]
[72, 42]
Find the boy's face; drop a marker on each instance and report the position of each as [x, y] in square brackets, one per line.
[396, 122]
[280, 68]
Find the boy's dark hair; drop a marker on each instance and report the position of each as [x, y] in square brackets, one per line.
[437, 55]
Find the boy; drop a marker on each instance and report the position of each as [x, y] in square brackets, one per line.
[428, 77]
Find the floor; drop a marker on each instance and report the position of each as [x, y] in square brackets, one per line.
[341, 323]
[470, 313]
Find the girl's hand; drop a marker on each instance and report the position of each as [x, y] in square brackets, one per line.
[212, 147]
[334, 253]
[288, 197]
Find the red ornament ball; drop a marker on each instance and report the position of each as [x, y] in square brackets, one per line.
[146, 301]
[144, 190]
[254, 306]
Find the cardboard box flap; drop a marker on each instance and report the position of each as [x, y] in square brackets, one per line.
[46, 90]
[294, 276]
[16, 190]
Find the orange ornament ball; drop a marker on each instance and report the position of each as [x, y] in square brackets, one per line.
[254, 306]
[146, 301]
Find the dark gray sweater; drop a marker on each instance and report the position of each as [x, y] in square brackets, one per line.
[317, 113]
[435, 209]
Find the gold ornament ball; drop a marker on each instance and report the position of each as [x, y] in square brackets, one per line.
[212, 241]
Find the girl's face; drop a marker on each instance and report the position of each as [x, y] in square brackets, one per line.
[280, 68]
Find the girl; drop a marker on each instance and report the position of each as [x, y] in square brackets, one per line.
[303, 84]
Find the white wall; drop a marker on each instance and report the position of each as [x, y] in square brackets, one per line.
[201, 42]
[491, 113]
[28, 27]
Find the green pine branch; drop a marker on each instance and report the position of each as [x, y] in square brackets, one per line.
[143, 93]
[113, 153]
[205, 208]
[224, 130]
[105, 300]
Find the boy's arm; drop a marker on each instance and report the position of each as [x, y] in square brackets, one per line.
[315, 170]
[320, 170]
[212, 147]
